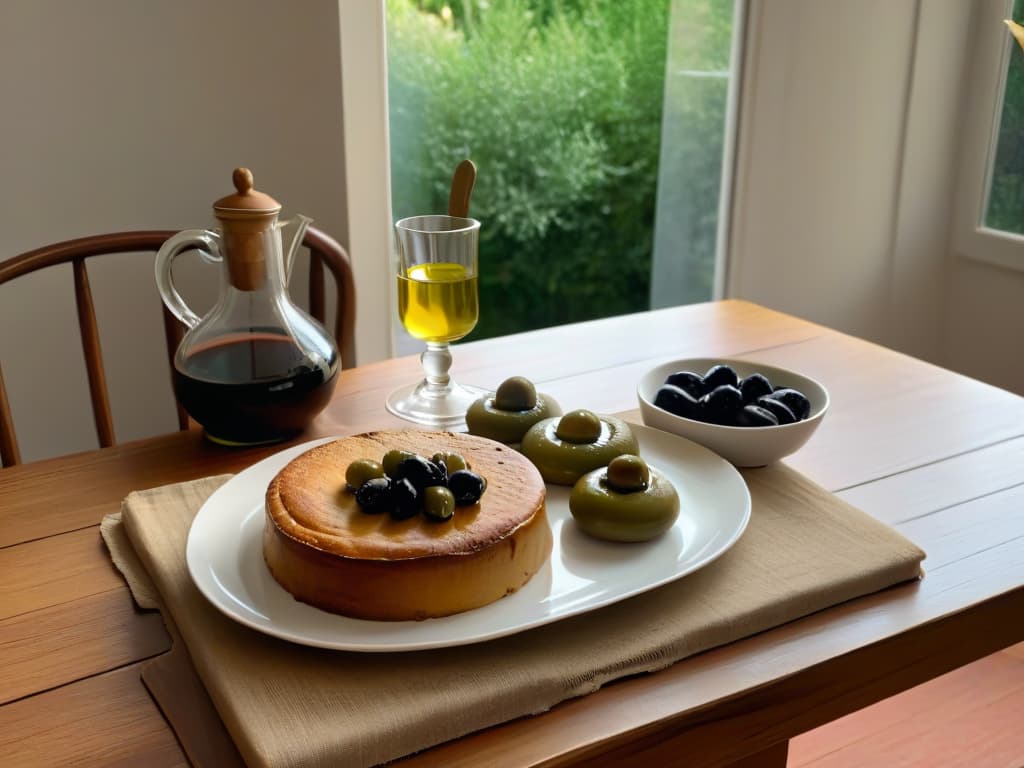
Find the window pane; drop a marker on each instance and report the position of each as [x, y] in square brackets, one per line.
[692, 139]
[1005, 207]
[559, 103]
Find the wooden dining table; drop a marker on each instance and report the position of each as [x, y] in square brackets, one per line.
[934, 454]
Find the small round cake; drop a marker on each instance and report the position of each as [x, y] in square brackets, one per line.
[326, 551]
[625, 501]
[506, 414]
[566, 448]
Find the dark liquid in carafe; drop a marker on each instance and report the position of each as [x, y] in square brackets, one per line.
[253, 389]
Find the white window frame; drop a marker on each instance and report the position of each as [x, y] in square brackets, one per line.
[991, 47]
[368, 172]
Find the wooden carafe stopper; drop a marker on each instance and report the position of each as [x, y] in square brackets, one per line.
[247, 216]
[247, 268]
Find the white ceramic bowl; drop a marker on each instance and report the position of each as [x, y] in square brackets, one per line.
[742, 446]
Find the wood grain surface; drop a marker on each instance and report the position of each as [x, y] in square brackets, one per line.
[937, 455]
[964, 718]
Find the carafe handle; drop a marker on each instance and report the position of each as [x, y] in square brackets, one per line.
[208, 243]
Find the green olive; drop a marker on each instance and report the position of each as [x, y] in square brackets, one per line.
[562, 462]
[452, 461]
[438, 503]
[601, 511]
[515, 394]
[485, 419]
[580, 426]
[361, 470]
[628, 473]
[393, 458]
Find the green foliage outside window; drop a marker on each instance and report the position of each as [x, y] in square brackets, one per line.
[1006, 197]
[559, 104]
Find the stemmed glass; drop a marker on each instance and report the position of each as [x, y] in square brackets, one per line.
[436, 267]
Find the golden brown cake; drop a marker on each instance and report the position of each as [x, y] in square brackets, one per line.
[322, 548]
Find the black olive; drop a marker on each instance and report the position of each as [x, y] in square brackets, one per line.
[374, 496]
[778, 408]
[794, 400]
[406, 498]
[756, 416]
[688, 381]
[678, 401]
[466, 486]
[419, 471]
[720, 405]
[719, 376]
[754, 386]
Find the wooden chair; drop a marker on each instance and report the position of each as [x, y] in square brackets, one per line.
[325, 253]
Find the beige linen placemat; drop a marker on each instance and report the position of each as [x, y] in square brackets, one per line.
[289, 705]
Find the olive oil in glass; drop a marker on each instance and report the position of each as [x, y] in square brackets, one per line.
[438, 302]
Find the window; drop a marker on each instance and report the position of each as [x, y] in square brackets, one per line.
[1004, 207]
[991, 206]
[599, 131]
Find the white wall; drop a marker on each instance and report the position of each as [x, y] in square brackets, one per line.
[120, 114]
[985, 323]
[820, 144]
[850, 134]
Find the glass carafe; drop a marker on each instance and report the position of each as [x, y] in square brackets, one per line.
[256, 368]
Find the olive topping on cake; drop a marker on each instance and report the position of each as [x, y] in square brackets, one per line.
[415, 483]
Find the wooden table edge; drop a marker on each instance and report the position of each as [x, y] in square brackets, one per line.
[748, 724]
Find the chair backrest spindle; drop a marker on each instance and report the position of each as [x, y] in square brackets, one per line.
[93, 355]
[173, 334]
[9, 454]
[322, 248]
[317, 300]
